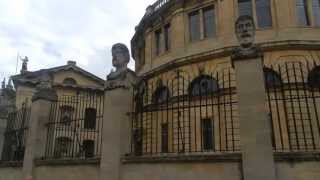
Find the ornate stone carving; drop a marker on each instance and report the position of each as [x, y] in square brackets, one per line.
[121, 77]
[245, 32]
[44, 88]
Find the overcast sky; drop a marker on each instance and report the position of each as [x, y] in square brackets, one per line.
[51, 32]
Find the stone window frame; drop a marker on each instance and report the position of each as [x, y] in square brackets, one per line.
[200, 11]
[160, 49]
[254, 14]
[310, 14]
[69, 81]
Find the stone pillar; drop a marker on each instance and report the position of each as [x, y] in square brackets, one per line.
[256, 144]
[116, 132]
[37, 132]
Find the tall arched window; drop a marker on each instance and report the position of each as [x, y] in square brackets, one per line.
[272, 78]
[161, 95]
[203, 85]
[69, 81]
[314, 77]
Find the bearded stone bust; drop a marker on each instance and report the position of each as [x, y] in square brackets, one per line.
[245, 31]
[121, 75]
[120, 60]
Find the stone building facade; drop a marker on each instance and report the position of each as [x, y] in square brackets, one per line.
[224, 90]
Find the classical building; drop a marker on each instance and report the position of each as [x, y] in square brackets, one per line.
[222, 89]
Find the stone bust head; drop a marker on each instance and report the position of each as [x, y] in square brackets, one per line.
[120, 60]
[120, 56]
[245, 31]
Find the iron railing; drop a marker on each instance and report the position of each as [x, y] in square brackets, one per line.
[186, 115]
[74, 128]
[15, 135]
[293, 96]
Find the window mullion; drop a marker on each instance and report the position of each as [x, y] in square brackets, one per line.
[254, 13]
[201, 24]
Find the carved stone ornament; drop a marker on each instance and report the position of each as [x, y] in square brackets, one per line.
[121, 77]
[44, 88]
[245, 31]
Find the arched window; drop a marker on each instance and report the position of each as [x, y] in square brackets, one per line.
[69, 81]
[161, 95]
[88, 148]
[90, 118]
[314, 77]
[272, 78]
[203, 85]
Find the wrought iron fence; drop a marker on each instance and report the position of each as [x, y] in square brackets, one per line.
[74, 128]
[293, 94]
[186, 115]
[16, 134]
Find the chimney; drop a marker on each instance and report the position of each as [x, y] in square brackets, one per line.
[72, 63]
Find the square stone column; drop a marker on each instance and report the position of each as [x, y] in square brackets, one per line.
[37, 132]
[256, 144]
[116, 126]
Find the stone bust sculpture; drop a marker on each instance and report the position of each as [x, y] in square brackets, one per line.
[245, 32]
[121, 76]
[120, 60]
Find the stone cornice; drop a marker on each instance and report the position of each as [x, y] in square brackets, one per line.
[227, 51]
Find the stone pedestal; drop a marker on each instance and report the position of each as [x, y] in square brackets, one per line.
[256, 144]
[37, 132]
[116, 132]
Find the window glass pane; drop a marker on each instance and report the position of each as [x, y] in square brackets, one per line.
[302, 12]
[164, 138]
[167, 37]
[194, 26]
[316, 11]
[158, 41]
[245, 7]
[90, 118]
[209, 22]
[207, 134]
[263, 13]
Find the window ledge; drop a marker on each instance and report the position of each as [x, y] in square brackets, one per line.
[4, 164]
[58, 162]
[297, 156]
[192, 157]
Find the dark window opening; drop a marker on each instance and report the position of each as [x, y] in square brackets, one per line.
[302, 12]
[88, 148]
[90, 118]
[62, 147]
[316, 11]
[263, 9]
[158, 42]
[161, 95]
[167, 37]
[272, 78]
[194, 26]
[209, 22]
[164, 138]
[245, 8]
[314, 77]
[203, 85]
[69, 81]
[66, 114]
[137, 141]
[207, 134]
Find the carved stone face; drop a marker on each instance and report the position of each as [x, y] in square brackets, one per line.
[245, 31]
[120, 56]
